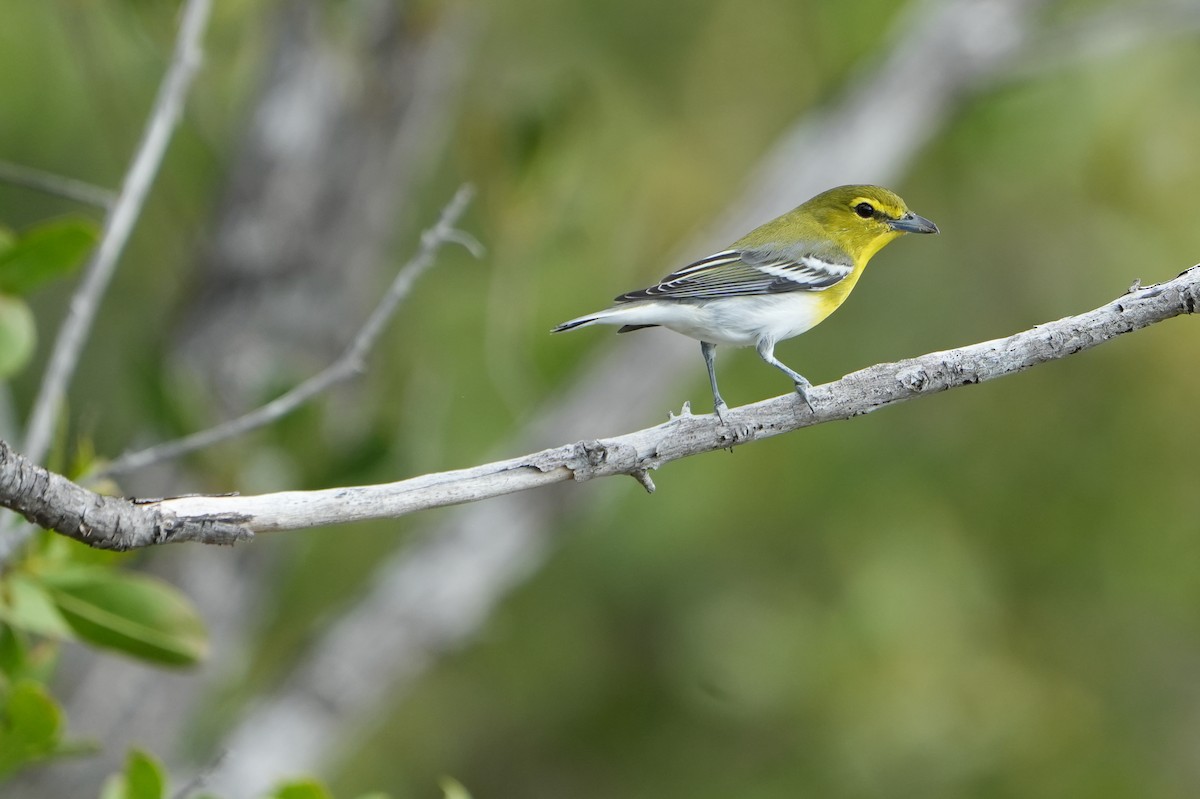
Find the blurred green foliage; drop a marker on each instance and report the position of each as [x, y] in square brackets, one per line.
[30, 724]
[991, 593]
[144, 777]
[135, 614]
[27, 261]
[57, 592]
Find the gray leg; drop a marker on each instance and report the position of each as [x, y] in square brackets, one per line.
[766, 351]
[708, 350]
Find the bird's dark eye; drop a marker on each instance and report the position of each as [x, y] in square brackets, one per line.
[865, 210]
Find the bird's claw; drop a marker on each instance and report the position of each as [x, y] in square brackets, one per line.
[738, 431]
[802, 389]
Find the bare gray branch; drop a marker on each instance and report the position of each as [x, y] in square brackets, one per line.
[682, 436]
[52, 501]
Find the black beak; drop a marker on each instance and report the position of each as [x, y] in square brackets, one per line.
[912, 223]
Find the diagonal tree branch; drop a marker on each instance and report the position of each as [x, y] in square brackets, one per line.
[119, 224]
[636, 453]
[52, 501]
[347, 365]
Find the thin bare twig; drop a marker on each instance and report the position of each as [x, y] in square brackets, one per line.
[117, 227]
[49, 183]
[346, 366]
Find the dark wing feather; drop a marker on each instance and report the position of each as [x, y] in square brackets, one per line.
[747, 272]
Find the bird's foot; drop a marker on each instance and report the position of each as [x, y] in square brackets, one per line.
[802, 388]
[738, 431]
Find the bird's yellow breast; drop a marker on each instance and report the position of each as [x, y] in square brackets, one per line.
[830, 299]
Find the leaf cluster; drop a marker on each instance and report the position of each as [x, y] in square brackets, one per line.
[61, 593]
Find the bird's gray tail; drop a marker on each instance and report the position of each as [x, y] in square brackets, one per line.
[611, 316]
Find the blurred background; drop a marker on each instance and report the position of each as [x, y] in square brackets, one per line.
[993, 592]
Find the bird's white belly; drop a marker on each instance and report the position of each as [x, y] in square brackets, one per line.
[744, 321]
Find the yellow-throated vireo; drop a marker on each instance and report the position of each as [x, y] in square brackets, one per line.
[776, 282]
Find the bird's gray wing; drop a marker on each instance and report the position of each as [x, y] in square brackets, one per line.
[749, 271]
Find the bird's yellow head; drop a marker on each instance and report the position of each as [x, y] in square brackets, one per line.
[855, 220]
[862, 219]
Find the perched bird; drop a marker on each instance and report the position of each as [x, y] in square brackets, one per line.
[776, 282]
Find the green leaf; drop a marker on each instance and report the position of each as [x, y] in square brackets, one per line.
[26, 605]
[45, 252]
[12, 652]
[30, 725]
[132, 613]
[144, 777]
[21, 658]
[302, 789]
[18, 335]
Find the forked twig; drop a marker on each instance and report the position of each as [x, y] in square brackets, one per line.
[347, 365]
